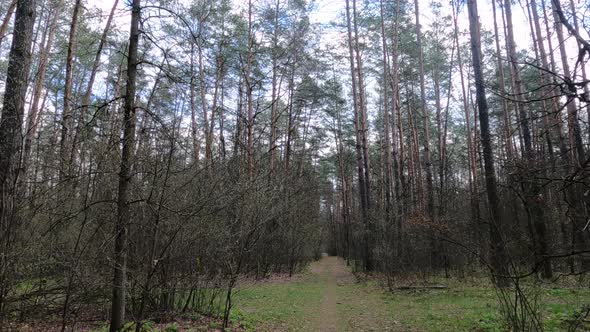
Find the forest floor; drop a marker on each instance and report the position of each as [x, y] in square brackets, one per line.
[328, 297]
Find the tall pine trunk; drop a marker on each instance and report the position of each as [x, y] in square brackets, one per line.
[533, 195]
[499, 259]
[357, 124]
[13, 108]
[578, 205]
[125, 177]
[425, 118]
[66, 122]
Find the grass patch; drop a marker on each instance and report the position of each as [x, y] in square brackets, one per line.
[445, 310]
[290, 305]
[473, 308]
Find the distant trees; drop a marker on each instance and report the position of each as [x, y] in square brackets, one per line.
[147, 173]
[506, 150]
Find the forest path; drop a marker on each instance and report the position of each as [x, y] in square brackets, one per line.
[330, 269]
[326, 298]
[345, 306]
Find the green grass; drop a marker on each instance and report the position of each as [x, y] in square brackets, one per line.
[293, 304]
[445, 310]
[473, 308]
[463, 306]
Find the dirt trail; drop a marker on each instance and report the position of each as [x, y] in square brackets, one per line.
[334, 273]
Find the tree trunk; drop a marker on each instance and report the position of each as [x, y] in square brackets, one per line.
[502, 89]
[582, 66]
[274, 99]
[425, 118]
[34, 116]
[534, 200]
[194, 132]
[13, 108]
[386, 120]
[357, 127]
[6, 20]
[66, 116]
[362, 107]
[80, 130]
[498, 251]
[249, 88]
[202, 89]
[125, 177]
[577, 214]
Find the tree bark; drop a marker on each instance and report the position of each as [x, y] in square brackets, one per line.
[425, 118]
[249, 88]
[357, 126]
[386, 121]
[362, 106]
[533, 196]
[274, 99]
[577, 214]
[582, 66]
[66, 116]
[13, 108]
[499, 259]
[34, 112]
[502, 88]
[6, 20]
[194, 132]
[125, 177]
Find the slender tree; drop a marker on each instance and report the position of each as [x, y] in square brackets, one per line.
[534, 200]
[425, 117]
[125, 176]
[499, 260]
[66, 117]
[6, 20]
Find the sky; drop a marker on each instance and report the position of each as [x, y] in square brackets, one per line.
[328, 11]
